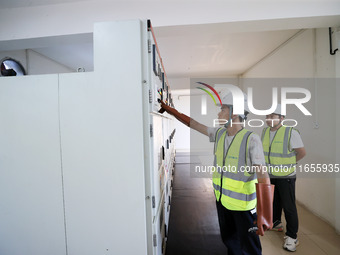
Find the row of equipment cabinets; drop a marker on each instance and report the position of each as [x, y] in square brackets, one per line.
[86, 159]
[162, 134]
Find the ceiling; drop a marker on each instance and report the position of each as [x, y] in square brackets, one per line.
[220, 49]
[217, 54]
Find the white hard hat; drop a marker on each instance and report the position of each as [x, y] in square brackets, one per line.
[278, 109]
[227, 99]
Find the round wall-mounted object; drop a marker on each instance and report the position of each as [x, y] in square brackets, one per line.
[11, 67]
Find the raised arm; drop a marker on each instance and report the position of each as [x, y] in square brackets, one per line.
[186, 120]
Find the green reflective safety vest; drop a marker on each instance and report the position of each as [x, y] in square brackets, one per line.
[233, 186]
[281, 160]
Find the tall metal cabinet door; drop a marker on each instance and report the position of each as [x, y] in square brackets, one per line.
[102, 138]
[159, 230]
[103, 170]
[31, 202]
[93, 195]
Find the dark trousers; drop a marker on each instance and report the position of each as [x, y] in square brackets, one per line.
[284, 198]
[238, 231]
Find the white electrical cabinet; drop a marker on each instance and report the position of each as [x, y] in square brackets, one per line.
[86, 160]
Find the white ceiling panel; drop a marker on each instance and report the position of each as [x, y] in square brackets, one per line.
[217, 54]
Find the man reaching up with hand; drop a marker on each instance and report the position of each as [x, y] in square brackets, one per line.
[243, 198]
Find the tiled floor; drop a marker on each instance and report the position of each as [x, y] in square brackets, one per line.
[316, 237]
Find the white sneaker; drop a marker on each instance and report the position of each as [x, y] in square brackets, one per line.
[290, 243]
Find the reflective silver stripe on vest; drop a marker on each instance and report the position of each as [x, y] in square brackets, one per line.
[242, 161]
[235, 195]
[219, 133]
[286, 140]
[280, 155]
[263, 133]
[216, 187]
[239, 196]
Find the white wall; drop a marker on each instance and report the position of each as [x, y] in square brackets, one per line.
[39, 64]
[295, 65]
[35, 63]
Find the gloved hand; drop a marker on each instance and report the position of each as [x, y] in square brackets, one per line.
[180, 116]
[265, 196]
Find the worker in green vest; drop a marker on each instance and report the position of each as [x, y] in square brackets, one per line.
[283, 147]
[242, 189]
